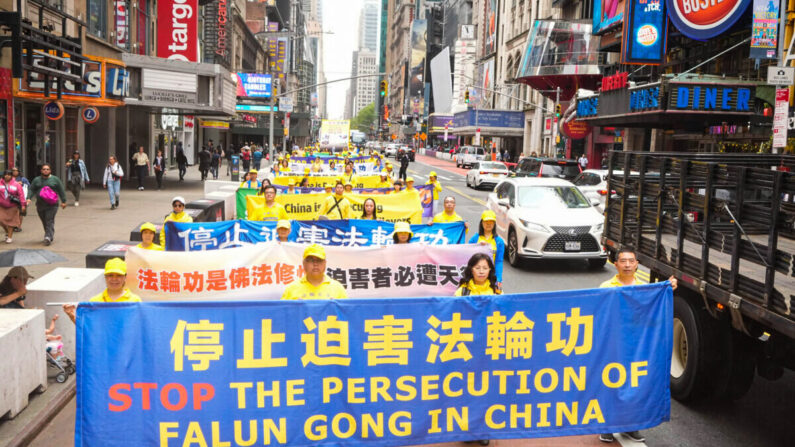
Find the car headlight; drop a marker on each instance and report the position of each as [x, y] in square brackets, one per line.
[598, 228]
[534, 226]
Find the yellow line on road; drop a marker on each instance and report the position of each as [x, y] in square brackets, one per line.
[474, 199]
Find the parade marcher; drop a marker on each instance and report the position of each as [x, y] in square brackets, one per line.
[48, 190]
[148, 232]
[263, 184]
[410, 184]
[398, 186]
[13, 288]
[336, 206]
[115, 289]
[177, 215]
[159, 166]
[252, 181]
[332, 166]
[402, 233]
[12, 203]
[369, 209]
[315, 284]
[304, 183]
[487, 236]
[141, 166]
[626, 275]
[283, 230]
[205, 158]
[111, 180]
[479, 278]
[271, 210]
[328, 188]
[404, 165]
[76, 176]
[448, 215]
[384, 182]
[182, 162]
[348, 187]
[349, 175]
[284, 166]
[437, 188]
[291, 187]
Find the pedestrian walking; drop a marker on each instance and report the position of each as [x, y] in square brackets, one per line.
[12, 203]
[142, 166]
[583, 161]
[404, 165]
[245, 158]
[182, 162]
[48, 191]
[604, 162]
[112, 180]
[215, 163]
[76, 176]
[487, 236]
[177, 214]
[315, 284]
[205, 157]
[26, 188]
[479, 277]
[159, 165]
[256, 157]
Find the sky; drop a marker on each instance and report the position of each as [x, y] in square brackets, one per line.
[340, 17]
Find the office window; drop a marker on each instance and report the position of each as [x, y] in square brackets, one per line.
[142, 33]
[97, 17]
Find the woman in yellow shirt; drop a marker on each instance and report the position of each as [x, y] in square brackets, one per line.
[479, 277]
[148, 232]
[369, 210]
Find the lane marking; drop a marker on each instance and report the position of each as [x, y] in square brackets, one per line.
[474, 199]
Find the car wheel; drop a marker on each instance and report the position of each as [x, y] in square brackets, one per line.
[597, 263]
[513, 249]
[468, 184]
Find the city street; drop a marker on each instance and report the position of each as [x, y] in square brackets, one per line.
[758, 419]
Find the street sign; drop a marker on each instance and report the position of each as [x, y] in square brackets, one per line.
[780, 75]
[286, 104]
[90, 115]
[53, 110]
[780, 118]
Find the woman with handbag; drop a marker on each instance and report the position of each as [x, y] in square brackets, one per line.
[112, 181]
[12, 200]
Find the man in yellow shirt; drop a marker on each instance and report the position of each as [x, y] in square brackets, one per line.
[148, 232]
[385, 182]
[448, 215]
[437, 188]
[315, 284]
[336, 207]
[178, 215]
[271, 210]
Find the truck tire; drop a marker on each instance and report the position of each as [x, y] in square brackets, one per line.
[741, 366]
[696, 351]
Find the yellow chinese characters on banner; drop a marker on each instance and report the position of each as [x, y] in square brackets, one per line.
[393, 207]
[363, 181]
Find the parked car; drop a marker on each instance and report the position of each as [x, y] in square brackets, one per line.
[593, 183]
[486, 173]
[469, 154]
[547, 218]
[548, 167]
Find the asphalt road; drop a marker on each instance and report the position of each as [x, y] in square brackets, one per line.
[763, 418]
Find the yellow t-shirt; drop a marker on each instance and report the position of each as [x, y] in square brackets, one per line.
[386, 184]
[437, 188]
[492, 242]
[614, 282]
[181, 217]
[444, 218]
[342, 211]
[276, 212]
[474, 289]
[151, 246]
[127, 296]
[302, 290]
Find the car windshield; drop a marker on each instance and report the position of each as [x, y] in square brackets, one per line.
[493, 166]
[555, 197]
[566, 171]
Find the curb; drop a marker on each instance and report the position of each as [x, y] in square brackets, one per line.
[30, 431]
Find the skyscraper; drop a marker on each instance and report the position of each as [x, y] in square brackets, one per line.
[368, 25]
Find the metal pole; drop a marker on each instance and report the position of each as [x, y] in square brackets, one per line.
[270, 129]
[555, 123]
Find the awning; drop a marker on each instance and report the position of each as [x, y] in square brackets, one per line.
[488, 131]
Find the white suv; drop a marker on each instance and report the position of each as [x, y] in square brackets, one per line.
[468, 155]
[547, 218]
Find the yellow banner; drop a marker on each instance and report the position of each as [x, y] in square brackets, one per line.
[393, 207]
[363, 181]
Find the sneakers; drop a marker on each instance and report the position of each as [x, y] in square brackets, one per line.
[112, 207]
[8, 240]
[117, 201]
[635, 436]
[140, 188]
[47, 241]
[606, 437]
[17, 230]
[77, 203]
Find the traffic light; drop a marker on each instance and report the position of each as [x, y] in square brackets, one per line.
[557, 110]
[383, 88]
[466, 96]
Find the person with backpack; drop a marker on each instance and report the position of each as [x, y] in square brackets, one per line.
[76, 175]
[215, 163]
[256, 157]
[48, 191]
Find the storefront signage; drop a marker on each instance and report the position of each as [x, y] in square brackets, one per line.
[764, 29]
[168, 96]
[207, 124]
[780, 118]
[177, 30]
[704, 19]
[254, 85]
[245, 117]
[615, 82]
[645, 32]
[216, 34]
[439, 122]
[90, 114]
[576, 129]
[118, 83]
[53, 110]
[187, 121]
[644, 99]
[607, 14]
[96, 72]
[489, 118]
[254, 108]
[710, 98]
[587, 107]
[780, 75]
[168, 120]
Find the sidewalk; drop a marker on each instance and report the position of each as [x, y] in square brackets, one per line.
[79, 230]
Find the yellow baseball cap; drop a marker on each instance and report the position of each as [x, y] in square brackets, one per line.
[115, 266]
[409, 179]
[283, 223]
[327, 185]
[252, 171]
[348, 183]
[148, 226]
[389, 164]
[291, 182]
[316, 251]
[488, 215]
[432, 174]
[403, 227]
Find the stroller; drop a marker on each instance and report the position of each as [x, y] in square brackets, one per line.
[58, 360]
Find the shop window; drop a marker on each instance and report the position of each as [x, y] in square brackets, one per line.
[142, 32]
[97, 17]
[71, 117]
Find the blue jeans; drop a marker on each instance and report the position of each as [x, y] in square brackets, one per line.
[114, 189]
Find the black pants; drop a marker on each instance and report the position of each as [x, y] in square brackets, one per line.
[140, 172]
[183, 168]
[47, 216]
[74, 186]
[159, 177]
[246, 165]
[204, 169]
[402, 174]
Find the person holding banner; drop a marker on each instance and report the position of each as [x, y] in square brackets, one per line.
[284, 166]
[271, 210]
[389, 171]
[177, 215]
[448, 215]
[336, 207]
[398, 186]
[369, 210]
[264, 184]
[402, 233]
[348, 187]
[252, 181]
[115, 289]
[291, 187]
[283, 230]
[384, 182]
[148, 232]
[479, 277]
[349, 175]
[487, 236]
[304, 183]
[315, 284]
[437, 188]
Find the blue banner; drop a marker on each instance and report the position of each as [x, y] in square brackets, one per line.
[200, 236]
[373, 371]
[645, 32]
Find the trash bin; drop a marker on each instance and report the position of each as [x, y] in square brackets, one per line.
[212, 209]
[111, 249]
[135, 233]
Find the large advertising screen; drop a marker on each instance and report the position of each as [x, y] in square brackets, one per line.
[645, 32]
[177, 30]
[419, 33]
[334, 133]
[254, 85]
[606, 14]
